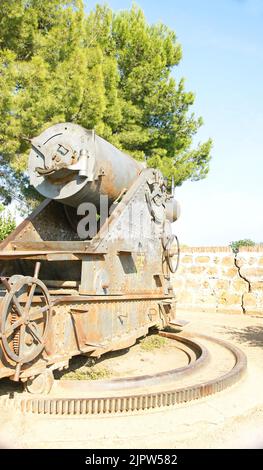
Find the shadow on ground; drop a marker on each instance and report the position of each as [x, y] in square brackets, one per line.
[76, 362]
[81, 361]
[252, 335]
[9, 387]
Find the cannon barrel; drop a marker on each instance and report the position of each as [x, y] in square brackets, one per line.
[72, 165]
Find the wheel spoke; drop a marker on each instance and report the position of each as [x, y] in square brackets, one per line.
[44, 309]
[17, 305]
[35, 334]
[30, 297]
[5, 283]
[13, 327]
[14, 299]
[37, 312]
[21, 339]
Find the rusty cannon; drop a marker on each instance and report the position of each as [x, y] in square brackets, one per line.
[90, 270]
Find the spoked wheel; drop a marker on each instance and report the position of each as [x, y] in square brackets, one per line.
[171, 247]
[172, 253]
[24, 323]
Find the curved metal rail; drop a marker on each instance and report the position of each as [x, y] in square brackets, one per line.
[143, 400]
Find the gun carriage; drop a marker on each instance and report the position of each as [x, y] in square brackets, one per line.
[89, 271]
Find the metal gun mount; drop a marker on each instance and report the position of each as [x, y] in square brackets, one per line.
[96, 294]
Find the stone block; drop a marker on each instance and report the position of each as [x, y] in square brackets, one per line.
[249, 300]
[228, 261]
[212, 271]
[228, 298]
[197, 269]
[192, 283]
[206, 298]
[222, 284]
[240, 261]
[206, 284]
[202, 259]
[240, 285]
[231, 272]
[187, 259]
[255, 273]
[256, 286]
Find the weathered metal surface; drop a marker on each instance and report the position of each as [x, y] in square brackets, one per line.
[105, 291]
[172, 210]
[98, 167]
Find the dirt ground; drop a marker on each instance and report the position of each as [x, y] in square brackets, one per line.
[230, 419]
[143, 358]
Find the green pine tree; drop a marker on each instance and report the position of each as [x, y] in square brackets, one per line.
[110, 72]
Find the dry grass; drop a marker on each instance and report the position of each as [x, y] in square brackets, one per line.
[90, 371]
[150, 343]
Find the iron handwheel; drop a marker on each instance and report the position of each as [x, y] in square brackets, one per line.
[24, 327]
[172, 252]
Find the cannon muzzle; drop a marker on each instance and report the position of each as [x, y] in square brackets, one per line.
[72, 165]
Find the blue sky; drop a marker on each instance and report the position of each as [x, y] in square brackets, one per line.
[222, 62]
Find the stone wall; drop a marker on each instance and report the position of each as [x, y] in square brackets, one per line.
[214, 279]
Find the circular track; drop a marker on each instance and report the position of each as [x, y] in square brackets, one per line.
[166, 395]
